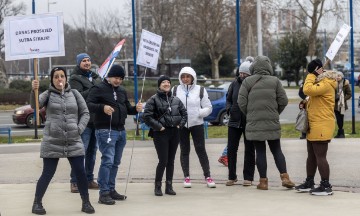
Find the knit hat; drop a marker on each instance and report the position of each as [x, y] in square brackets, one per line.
[116, 71]
[80, 57]
[162, 78]
[313, 64]
[52, 74]
[245, 66]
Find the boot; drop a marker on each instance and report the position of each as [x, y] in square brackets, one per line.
[168, 188]
[340, 134]
[86, 205]
[157, 190]
[263, 184]
[286, 182]
[37, 207]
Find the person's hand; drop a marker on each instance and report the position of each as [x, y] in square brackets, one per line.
[35, 84]
[108, 110]
[139, 107]
[318, 71]
[162, 129]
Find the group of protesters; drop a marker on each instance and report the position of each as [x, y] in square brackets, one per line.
[86, 113]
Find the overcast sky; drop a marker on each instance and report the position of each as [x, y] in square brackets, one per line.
[73, 9]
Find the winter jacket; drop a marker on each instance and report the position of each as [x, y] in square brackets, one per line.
[320, 106]
[66, 118]
[103, 94]
[190, 96]
[164, 110]
[262, 98]
[80, 81]
[237, 118]
[346, 90]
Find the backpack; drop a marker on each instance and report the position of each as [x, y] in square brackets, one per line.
[201, 91]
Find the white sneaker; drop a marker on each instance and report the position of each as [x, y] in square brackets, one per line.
[210, 183]
[187, 182]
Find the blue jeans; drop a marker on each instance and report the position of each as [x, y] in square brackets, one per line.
[111, 154]
[90, 145]
[224, 153]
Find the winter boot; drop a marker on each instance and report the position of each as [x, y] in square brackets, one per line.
[340, 134]
[263, 184]
[37, 207]
[86, 205]
[157, 190]
[286, 182]
[168, 188]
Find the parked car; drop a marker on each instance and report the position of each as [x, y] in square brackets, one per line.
[218, 115]
[25, 115]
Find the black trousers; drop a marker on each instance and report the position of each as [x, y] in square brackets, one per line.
[339, 119]
[166, 143]
[277, 153]
[49, 169]
[317, 151]
[234, 135]
[197, 134]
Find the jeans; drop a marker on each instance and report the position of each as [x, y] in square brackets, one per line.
[225, 151]
[50, 165]
[90, 145]
[111, 153]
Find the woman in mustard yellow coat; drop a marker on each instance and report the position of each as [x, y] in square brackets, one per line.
[320, 87]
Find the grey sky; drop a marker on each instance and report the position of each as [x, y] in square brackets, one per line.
[73, 9]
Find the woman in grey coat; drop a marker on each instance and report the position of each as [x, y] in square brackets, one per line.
[67, 117]
[262, 98]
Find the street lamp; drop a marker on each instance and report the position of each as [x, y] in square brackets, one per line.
[49, 3]
[86, 48]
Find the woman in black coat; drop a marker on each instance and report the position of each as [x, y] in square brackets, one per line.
[165, 114]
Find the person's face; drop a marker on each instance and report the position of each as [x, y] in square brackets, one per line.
[339, 77]
[59, 79]
[187, 79]
[85, 64]
[243, 75]
[165, 86]
[115, 81]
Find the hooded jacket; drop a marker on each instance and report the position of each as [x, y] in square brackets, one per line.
[262, 98]
[320, 107]
[189, 95]
[237, 118]
[66, 118]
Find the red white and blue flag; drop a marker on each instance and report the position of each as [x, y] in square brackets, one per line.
[104, 69]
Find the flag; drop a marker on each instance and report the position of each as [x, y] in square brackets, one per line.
[103, 70]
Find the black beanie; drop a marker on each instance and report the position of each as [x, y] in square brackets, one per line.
[162, 78]
[313, 64]
[116, 71]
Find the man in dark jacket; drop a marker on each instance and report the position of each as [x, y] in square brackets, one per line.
[109, 101]
[82, 79]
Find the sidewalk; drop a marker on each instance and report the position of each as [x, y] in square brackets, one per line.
[21, 167]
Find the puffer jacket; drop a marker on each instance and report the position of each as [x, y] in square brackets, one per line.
[190, 96]
[66, 118]
[79, 80]
[237, 118]
[320, 107]
[262, 98]
[164, 110]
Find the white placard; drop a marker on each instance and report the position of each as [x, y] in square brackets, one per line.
[149, 49]
[338, 41]
[34, 36]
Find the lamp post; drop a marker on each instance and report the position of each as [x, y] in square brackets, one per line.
[48, 4]
[86, 48]
[259, 27]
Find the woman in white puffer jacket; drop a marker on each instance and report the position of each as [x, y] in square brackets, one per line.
[197, 108]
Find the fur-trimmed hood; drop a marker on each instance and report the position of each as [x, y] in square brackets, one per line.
[327, 74]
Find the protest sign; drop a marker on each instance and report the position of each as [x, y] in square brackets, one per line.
[34, 36]
[338, 41]
[149, 49]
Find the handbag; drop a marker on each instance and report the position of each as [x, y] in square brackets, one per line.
[302, 122]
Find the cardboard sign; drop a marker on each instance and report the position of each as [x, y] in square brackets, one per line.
[34, 36]
[338, 41]
[149, 49]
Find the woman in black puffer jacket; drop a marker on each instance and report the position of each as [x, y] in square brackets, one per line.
[165, 114]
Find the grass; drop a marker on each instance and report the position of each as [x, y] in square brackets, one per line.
[287, 131]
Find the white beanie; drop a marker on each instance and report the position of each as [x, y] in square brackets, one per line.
[244, 67]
